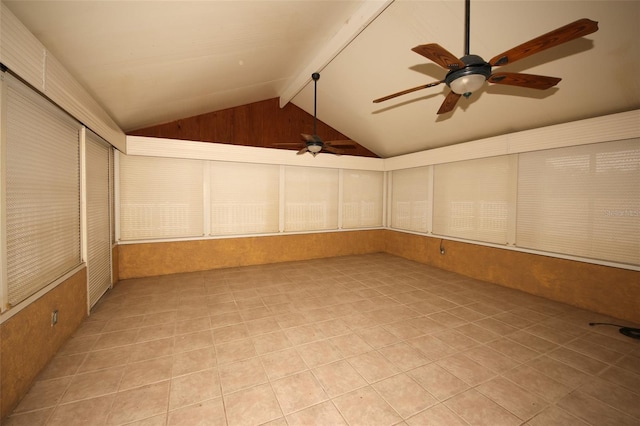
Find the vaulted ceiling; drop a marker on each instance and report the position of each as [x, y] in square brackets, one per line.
[153, 62]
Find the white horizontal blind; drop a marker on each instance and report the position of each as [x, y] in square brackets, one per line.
[98, 205]
[410, 194]
[582, 201]
[362, 194]
[473, 199]
[42, 192]
[160, 197]
[244, 198]
[311, 199]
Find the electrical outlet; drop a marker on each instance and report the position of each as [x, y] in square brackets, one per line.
[54, 317]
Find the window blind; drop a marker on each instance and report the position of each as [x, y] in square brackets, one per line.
[42, 192]
[98, 205]
[474, 199]
[362, 198]
[582, 201]
[410, 195]
[244, 198]
[160, 197]
[311, 198]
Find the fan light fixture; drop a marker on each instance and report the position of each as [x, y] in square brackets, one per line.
[467, 80]
[314, 147]
[467, 84]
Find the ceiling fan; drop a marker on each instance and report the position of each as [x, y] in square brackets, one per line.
[313, 143]
[468, 74]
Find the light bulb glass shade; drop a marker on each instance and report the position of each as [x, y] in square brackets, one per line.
[467, 83]
[314, 148]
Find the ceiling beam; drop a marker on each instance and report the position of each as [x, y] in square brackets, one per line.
[354, 26]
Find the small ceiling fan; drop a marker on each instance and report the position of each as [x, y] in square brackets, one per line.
[468, 74]
[313, 143]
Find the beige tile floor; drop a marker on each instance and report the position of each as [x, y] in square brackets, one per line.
[358, 340]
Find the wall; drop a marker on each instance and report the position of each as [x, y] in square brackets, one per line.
[607, 290]
[29, 341]
[150, 259]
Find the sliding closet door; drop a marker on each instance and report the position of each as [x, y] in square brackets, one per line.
[98, 166]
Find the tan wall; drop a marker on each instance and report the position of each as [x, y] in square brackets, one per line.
[115, 270]
[603, 289]
[151, 259]
[28, 341]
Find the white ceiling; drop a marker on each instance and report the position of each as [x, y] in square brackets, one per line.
[151, 62]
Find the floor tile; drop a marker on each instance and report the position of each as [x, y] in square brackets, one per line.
[234, 351]
[193, 388]
[97, 383]
[139, 403]
[517, 400]
[404, 395]
[438, 415]
[146, 372]
[403, 356]
[253, 406]
[207, 413]
[594, 411]
[616, 396]
[537, 383]
[364, 407]
[85, 412]
[242, 374]
[31, 418]
[338, 378]
[477, 409]
[559, 371]
[298, 391]
[270, 342]
[438, 381]
[554, 416]
[373, 366]
[319, 353]
[323, 414]
[283, 363]
[192, 361]
[466, 369]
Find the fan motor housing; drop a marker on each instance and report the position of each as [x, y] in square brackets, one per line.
[474, 64]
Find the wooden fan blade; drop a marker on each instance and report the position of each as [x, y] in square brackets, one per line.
[574, 30]
[449, 102]
[286, 144]
[404, 92]
[302, 151]
[332, 150]
[341, 144]
[439, 55]
[539, 82]
[307, 138]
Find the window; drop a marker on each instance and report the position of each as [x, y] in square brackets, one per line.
[244, 198]
[311, 199]
[582, 200]
[42, 192]
[411, 204]
[362, 198]
[160, 197]
[474, 199]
